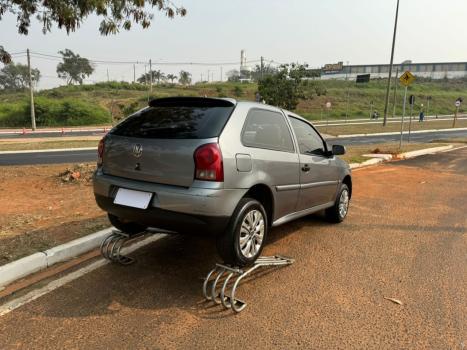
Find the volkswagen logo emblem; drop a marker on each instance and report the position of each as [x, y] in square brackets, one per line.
[137, 150]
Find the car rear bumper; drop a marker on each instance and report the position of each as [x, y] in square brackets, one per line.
[186, 210]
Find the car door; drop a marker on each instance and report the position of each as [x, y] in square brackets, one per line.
[318, 178]
[268, 138]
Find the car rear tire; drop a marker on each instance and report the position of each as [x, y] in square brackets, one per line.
[339, 210]
[241, 244]
[128, 227]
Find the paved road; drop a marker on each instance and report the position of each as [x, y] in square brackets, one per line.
[89, 156]
[415, 137]
[43, 134]
[405, 238]
[48, 157]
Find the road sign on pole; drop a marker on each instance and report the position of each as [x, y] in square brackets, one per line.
[407, 78]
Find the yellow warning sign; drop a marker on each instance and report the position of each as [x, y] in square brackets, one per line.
[407, 78]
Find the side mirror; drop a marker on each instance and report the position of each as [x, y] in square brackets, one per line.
[338, 150]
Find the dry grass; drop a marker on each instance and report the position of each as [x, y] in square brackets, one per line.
[37, 145]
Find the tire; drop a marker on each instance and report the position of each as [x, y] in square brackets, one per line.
[128, 227]
[232, 244]
[336, 213]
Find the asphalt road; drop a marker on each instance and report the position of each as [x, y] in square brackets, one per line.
[404, 238]
[42, 134]
[415, 137]
[89, 156]
[48, 157]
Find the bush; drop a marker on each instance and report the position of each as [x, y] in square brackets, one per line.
[66, 112]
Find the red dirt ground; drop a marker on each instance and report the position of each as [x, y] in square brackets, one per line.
[39, 210]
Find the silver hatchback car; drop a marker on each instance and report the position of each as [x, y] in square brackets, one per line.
[206, 165]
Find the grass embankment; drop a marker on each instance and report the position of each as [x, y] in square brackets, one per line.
[106, 102]
[390, 127]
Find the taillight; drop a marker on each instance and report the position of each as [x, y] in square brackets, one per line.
[100, 152]
[208, 163]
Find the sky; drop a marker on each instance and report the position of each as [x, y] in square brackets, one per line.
[311, 31]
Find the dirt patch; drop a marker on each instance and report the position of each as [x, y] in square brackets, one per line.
[45, 205]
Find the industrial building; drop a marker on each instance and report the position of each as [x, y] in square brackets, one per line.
[437, 70]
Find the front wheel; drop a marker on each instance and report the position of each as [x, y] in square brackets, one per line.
[242, 242]
[339, 210]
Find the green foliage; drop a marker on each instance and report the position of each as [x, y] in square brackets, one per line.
[5, 57]
[74, 68]
[185, 78]
[16, 76]
[131, 108]
[69, 15]
[51, 112]
[285, 88]
[157, 76]
[171, 77]
[237, 91]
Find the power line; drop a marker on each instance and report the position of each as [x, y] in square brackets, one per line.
[159, 63]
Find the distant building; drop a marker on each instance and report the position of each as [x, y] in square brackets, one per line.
[438, 70]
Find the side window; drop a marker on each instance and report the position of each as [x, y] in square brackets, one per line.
[267, 129]
[309, 142]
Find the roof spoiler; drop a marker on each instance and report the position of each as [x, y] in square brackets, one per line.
[192, 102]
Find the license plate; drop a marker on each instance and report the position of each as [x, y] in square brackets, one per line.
[132, 198]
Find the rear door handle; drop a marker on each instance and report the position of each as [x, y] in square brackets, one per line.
[306, 168]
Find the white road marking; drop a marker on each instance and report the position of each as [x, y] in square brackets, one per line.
[55, 284]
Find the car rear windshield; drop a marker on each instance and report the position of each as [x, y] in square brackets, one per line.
[175, 122]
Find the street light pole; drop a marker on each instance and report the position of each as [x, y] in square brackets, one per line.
[386, 103]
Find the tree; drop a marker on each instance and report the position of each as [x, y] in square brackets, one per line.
[74, 68]
[158, 75]
[185, 78]
[285, 88]
[267, 70]
[16, 76]
[69, 15]
[5, 57]
[171, 77]
[233, 75]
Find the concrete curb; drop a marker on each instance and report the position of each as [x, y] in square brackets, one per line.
[412, 154]
[50, 150]
[42, 260]
[380, 158]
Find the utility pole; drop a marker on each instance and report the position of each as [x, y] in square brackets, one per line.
[390, 67]
[108, 75]
[33, 113]
[209, 72]
[134, 73]
[201, 77]
[150, 74]
[412, 102]
[262, 67]
[221, 74]
[403, 115]
[395, 92]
